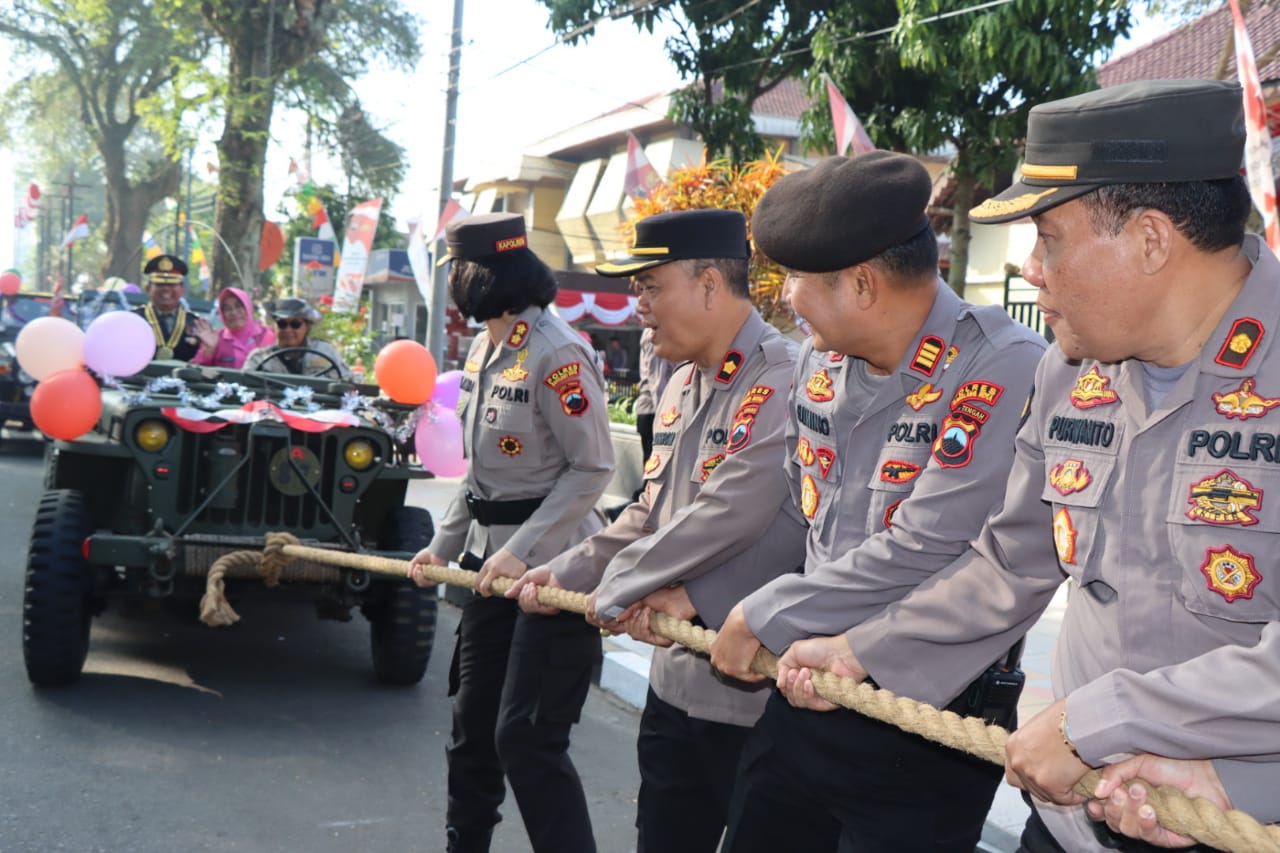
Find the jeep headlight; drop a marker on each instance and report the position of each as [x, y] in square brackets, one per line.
[152, 435]
[358, 453]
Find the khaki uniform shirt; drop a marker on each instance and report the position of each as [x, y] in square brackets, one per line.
[896, 486]
[534, 424]
[715, 514]
[1170, 642]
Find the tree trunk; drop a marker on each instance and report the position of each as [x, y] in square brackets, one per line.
[960, 233]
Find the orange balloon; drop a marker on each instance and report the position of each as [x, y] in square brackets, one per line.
[66, 404]
[271, 245]
[406, 371]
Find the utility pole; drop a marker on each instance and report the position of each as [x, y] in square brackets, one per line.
[439, 298]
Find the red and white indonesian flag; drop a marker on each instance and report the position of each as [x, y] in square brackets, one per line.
[849, 131]
[641, 177]
[78, 231]
[30, 207]
[199, 420]
[452, 210]
[1257, 142]
[320, 222]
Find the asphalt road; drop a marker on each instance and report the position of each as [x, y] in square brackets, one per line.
[268, 736]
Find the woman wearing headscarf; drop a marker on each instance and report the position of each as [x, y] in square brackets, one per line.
[536, 434]
[241, 332]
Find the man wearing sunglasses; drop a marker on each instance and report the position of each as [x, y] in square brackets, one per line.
[294, 351]
[175, 329]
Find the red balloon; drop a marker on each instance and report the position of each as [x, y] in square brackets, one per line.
[66, 404]
[406, 371]
[10, 283]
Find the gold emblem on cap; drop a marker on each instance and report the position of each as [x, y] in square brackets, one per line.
[165, 264]
[1017, 204]
[1050, 173]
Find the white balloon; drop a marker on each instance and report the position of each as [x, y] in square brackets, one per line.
[49, 344]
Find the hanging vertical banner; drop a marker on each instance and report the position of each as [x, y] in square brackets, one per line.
[419, 260]
[356, 243]
[1257, 141]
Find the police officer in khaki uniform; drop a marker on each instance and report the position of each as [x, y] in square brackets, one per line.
[175, 328]
[1141, 475]
[536, 435]
[713, 522]
[905, 403]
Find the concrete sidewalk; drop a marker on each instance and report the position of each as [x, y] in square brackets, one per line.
[625, 673]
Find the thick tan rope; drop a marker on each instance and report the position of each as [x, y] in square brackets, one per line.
[1233, 831]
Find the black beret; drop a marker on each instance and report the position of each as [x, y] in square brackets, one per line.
[488, 235]
[843, 211]
[165, 269]
[683, 235]
[1154, 131]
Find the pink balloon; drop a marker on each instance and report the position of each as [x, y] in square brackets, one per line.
[118, 343]
[448, 386]
[438, 441]
[47, 345]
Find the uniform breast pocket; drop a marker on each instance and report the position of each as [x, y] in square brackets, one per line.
[1075, 483]
[1220, 529]
[892, 481]
[509, 431]
[655, 467]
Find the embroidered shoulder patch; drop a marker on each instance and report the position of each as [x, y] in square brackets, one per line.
[1243, 403]
[954, 446]
[566, 381]
[926, 358]
[1241, 343]
[1230, 573]
[728, 367]
[745, 417]
[1093, 389]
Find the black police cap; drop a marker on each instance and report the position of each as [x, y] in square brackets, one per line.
[488, 235]
[843, 211]
[165, 269]
[683, 235]
[1154, 131]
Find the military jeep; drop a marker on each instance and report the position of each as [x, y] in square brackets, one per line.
[181, 470]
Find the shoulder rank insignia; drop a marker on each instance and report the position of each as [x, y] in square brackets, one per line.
[517, 372]
[923, 396]
[1230, 573]
[804, 451]
[709, 465]
[1243, 403]
[1093, 389]
[1241, 343]
[826, 458]
[818, 388]
[808, 496]
[728, 367]
[835, 357]
[1064, 536]
[897, 471]
[891, 509]
[740, 429]
[926, 357]
[518, 333]
[566, 381]
[670, 417]
[510, 445]
[952, 352]
[1069, 476]
[1224, 498]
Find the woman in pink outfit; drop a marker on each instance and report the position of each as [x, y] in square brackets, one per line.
[241, 333]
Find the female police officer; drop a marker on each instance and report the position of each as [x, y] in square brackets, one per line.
[536, 434]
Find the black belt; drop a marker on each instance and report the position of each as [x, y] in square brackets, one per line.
[488, 513]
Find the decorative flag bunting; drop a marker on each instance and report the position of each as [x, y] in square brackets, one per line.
[78, 231]
[641, 177]
[1257, 143]
[849, 131]
[198, 258]
[150, 248]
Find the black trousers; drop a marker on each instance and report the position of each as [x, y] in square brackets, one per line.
[519, 683]
[839, 781]
[687, 770]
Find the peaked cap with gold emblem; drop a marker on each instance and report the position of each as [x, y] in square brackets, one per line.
[1154, 131]
[165, 269]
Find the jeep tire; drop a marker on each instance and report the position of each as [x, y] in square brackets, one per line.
[402, 618]
[56, 606]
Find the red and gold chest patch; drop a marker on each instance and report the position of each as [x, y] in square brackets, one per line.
[745, 417]
[897, 471]
[826, 458]
[818, 388]
[510, 445]
[471, 367]
[923, 396]
[519, 332]
[729, 367]
[669, 417]
[651, 464]
[1069, 475]
[1241, 343]
[1064, 536]
[1243, 403]
[566, 381]
[1093, 389]
[709, 465]
[1224, 498]
[1230, 573]
[517, 371]
[954, 446]
[926, 358]
[808, 496]
[804, 451]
